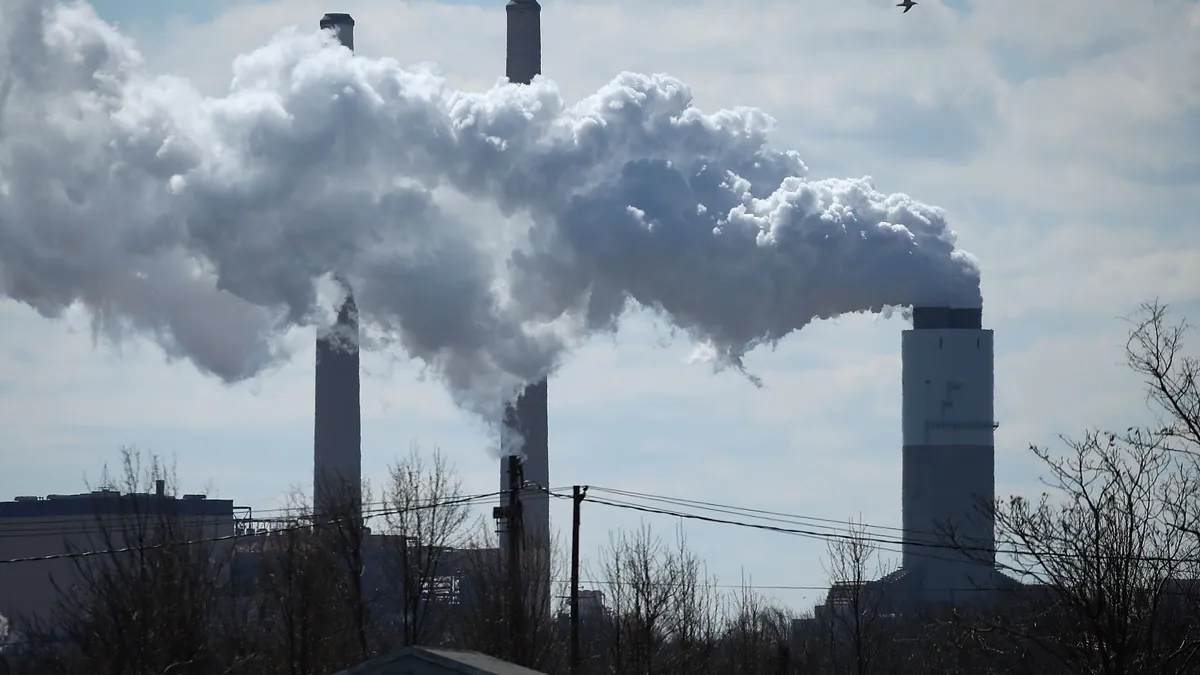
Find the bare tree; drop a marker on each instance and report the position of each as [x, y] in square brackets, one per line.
[295, 596]
[345, 535]
[853, 615]
[426, 518]
[757, 637]
[1110, 554]
[143, 591]
[665, 612]
[483, 615]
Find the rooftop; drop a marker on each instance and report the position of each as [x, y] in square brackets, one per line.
[112, 502]
[443, 660]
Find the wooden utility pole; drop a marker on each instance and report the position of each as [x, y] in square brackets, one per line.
[516, 595]
[577, 496]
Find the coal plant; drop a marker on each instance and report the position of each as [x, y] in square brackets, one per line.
[337, 424]
[526, 424]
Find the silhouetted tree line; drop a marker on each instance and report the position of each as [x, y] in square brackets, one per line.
[1107, 559]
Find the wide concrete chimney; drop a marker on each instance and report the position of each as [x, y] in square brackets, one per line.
[949, 455]
[527, 419]
[337, 423]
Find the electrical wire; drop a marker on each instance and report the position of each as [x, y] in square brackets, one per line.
[880, 545]
[747, 586]
[928, 549]
[774, 516]
[856, 538]
[928, 552]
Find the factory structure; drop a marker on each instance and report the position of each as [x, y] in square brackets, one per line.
[337, 418]
[46, 530]
[526, 422]
[948, 454]
[948, 462]
[948, 471]
[337, 424]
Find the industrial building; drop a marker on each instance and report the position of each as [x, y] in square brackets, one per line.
[59, 526]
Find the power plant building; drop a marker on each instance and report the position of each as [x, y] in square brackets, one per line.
[49, 531]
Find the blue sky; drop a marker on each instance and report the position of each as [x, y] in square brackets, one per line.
[1058, 139]
[140, 11]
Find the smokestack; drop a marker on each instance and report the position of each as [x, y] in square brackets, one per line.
[342, 26]
[337, 423]
[523, 54]
[527, 419]
[949, 453]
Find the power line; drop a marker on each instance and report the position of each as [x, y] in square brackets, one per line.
[864, 538]
[775, 516]
[879, 545]
[928, 547]
[748, 586]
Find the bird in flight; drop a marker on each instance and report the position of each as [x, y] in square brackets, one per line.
[907, 5]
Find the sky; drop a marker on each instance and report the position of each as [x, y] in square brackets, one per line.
[1058, 139]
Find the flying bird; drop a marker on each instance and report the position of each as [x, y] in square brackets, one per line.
[907, 5]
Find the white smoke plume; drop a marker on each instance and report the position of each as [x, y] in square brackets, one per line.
[207, 223]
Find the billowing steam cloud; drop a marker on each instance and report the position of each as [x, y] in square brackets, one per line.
[206, 222]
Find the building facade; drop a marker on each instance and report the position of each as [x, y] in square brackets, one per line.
[46, 535]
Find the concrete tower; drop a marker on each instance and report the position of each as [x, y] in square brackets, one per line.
[949, 452]
[527, 419]
[337, 424]
[342, 26]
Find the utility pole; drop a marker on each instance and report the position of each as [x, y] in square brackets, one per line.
[516, 597]
[577, 496]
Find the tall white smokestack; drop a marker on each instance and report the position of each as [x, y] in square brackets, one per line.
[949, 452]
[528, 419]
[337, 423]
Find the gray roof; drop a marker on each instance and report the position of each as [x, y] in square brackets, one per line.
[452, 660]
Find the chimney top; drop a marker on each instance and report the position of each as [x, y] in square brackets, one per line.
[332, 19]
[968, 318]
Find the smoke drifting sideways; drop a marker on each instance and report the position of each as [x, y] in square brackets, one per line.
[208, 223]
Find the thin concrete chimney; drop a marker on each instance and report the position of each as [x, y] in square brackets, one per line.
[527, 419]
[337, 423]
